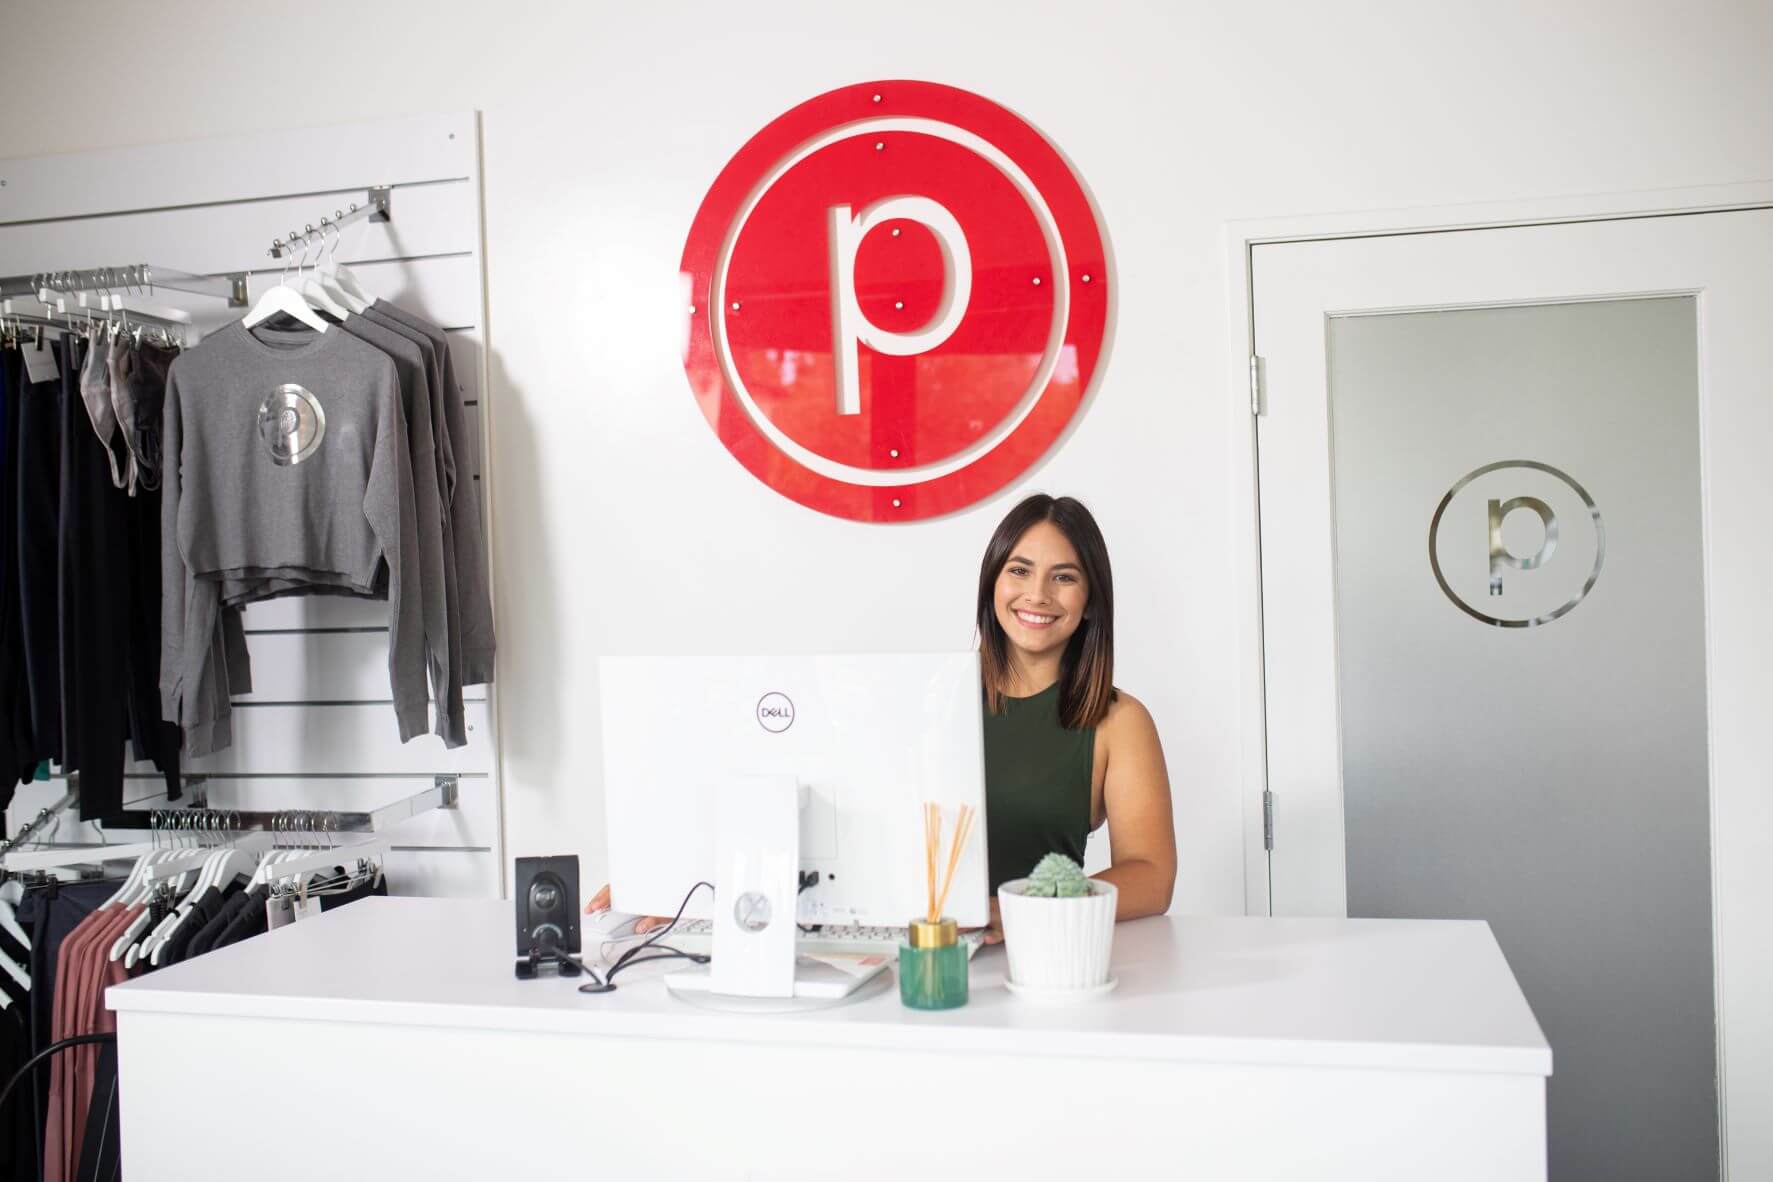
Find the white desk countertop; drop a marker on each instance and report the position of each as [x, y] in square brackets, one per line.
[1427, 995]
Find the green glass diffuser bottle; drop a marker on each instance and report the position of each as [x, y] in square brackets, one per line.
[932, 966]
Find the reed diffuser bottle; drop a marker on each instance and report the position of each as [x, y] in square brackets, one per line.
[932, 966]
[932, 962]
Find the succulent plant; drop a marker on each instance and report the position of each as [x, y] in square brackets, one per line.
[1056, 876]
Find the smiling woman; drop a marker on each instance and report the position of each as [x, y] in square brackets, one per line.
[1064, 749]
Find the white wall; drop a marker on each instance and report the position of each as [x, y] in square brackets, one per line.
[620, 523]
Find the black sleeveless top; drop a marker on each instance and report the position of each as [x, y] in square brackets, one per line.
[1037, 785]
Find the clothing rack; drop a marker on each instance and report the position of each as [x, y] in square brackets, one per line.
[444, 793]
[11, 321]
[230, 287]
[44, 816]
[377, 206]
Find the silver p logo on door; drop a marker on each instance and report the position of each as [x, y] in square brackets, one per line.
[1504, 518]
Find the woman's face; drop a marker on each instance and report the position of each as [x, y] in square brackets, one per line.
[1041, 595]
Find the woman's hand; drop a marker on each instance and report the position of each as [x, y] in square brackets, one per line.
[600, 902]
[994, 929]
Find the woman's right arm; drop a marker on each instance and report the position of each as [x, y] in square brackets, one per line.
[600, 902]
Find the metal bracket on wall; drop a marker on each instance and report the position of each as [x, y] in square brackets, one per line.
[377, 206]
[1267, 819]
[444, 793]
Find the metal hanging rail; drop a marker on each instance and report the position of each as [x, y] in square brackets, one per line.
[230, 287]
[377, 206]
[44, 816]
[444, 793]
[13, 323]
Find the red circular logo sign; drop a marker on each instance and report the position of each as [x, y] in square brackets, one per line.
[898, 297]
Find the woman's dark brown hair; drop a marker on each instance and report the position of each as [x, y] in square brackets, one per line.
[1086, 671]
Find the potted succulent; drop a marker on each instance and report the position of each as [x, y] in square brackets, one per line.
[1058, 928]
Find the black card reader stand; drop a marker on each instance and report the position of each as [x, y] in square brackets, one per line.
[542, 953]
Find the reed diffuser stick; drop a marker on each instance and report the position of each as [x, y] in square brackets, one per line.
[963, 829]
[932, 838]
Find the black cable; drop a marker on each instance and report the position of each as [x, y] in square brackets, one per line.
[579, 964]
[666, 952]
[46, 1052]
[627, 958]
[808, 880]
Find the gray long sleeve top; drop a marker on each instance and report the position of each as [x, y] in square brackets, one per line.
[461, 460]
[285, 452]
[442, 613]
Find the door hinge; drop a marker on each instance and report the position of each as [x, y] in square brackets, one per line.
[1267, 819]
[1255, 385]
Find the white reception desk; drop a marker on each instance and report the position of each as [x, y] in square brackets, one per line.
[389, 1040]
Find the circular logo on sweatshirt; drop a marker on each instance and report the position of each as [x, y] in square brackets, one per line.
[292, 424]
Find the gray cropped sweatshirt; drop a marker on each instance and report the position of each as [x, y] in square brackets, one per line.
[285, 458]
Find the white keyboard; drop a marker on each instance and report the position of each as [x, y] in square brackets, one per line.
[697, 935]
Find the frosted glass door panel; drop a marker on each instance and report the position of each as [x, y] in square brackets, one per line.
[1520, 630]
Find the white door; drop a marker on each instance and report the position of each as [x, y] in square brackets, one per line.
[1517, 542]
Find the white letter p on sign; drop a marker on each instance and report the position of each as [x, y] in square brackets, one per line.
[850, 328]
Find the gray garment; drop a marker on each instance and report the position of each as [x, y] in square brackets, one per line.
[441, 609]
[209, 723]
[464, 502]
[283, 450]
[95, 392]
[138, 391]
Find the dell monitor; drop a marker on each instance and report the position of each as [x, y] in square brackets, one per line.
[751, 772]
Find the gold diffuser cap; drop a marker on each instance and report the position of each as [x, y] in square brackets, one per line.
[921, 933]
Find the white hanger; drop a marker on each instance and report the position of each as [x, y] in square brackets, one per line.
[177, 864]
[136, 889]
[343, 281]
[328, 857]
[15, 971]
[326, 276]
[286, 299]
[221, 865]
[174, 865]
[11, 892]
[206, 859]
[314, 289]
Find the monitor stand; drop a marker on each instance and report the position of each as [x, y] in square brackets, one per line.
[756, 902]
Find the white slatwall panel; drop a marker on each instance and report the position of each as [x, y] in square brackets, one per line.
[317, 732]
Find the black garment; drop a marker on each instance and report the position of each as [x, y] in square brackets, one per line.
[379, 886]
[99, 1160]
[68, 530]
[49, 914]
[38, 471]
[154, 739]
[206, 937]
[202, 911]
[110, 613]
[94, 604]
[249, 920]
[18, 1140]
[18, 753]
[19, 955]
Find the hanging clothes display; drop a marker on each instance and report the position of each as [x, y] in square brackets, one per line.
[62, 944]
[287, 467]
[80, 561]
[321, 451]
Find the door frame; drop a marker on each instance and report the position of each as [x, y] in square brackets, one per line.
[1241, 238]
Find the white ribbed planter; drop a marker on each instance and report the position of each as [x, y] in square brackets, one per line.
[1057, 943]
